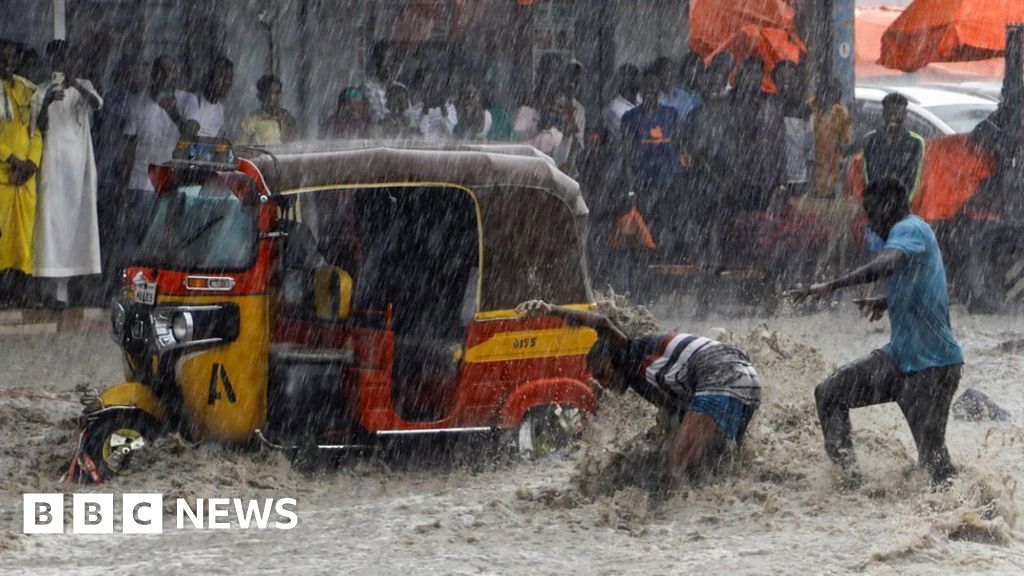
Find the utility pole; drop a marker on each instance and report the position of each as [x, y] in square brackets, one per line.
[830, 36]
[60, 26]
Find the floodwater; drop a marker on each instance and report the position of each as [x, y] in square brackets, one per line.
[774, 509]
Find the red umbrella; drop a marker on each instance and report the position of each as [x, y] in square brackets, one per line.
[948, 31]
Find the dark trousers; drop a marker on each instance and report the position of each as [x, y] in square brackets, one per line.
[924, 397]
[124, 222]
[656, 201]
[632, 264]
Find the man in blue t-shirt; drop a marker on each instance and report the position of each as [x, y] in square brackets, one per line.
[920, 367]
[650, 160]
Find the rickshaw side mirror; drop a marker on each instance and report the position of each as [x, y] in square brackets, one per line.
[332, 293]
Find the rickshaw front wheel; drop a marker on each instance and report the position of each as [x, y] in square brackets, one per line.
[548, 429]
[115, 440]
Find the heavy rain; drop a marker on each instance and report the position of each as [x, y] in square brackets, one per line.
[511, 286]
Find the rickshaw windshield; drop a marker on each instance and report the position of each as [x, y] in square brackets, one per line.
[200, 227]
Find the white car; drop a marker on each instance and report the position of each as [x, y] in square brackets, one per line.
[990, 89]
[932, 111]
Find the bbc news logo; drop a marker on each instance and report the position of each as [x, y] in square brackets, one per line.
[144, 513]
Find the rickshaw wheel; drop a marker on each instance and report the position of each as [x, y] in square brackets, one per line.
[115, 440]
[548, 429]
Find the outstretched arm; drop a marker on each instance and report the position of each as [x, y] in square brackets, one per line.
[605, 328]
[92, 98]
[883, 265]
[186, 127]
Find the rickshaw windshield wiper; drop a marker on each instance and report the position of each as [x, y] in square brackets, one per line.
[202, 230]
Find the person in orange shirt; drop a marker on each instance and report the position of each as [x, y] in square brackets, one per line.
[21, 148]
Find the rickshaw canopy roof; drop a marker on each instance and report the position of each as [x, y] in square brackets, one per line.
[532, 217]
[328, 163]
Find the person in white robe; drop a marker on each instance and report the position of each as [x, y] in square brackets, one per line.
[66, 241]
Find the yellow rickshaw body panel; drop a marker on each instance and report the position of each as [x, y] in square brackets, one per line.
[224, 389]
[533, 344]
[134, 394]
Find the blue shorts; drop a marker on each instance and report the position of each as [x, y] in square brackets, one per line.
[731, 415]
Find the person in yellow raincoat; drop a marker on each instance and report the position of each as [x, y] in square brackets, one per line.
[21, 148]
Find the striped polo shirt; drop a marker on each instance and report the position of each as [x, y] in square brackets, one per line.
[670, 370]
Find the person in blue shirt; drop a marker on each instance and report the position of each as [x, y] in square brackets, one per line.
[920, 367]
[650, 157]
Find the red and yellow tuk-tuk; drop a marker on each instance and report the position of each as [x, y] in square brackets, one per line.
[334, 293]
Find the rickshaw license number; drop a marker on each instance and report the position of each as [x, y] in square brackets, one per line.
[521, 343]
[145, 293]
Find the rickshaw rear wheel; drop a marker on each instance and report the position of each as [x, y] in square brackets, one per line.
[115, 440]
[547, 429]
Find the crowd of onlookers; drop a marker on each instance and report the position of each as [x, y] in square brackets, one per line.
[686, 148]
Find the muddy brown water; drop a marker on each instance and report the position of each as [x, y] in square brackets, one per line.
[773, 509]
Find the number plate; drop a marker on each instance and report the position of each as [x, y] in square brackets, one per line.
[145, 293]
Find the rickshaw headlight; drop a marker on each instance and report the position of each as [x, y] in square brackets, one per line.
[182, 327]
[176, 327]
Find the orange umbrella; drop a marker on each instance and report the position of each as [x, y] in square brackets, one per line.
[715, 22]
[948, 31]
[954, 167]
[871, 24]
[771, 45]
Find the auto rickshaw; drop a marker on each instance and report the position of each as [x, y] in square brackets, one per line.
[331, 294]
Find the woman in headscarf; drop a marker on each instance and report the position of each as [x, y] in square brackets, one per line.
[351, 119]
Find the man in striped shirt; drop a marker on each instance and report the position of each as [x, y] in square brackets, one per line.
[711, 388]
